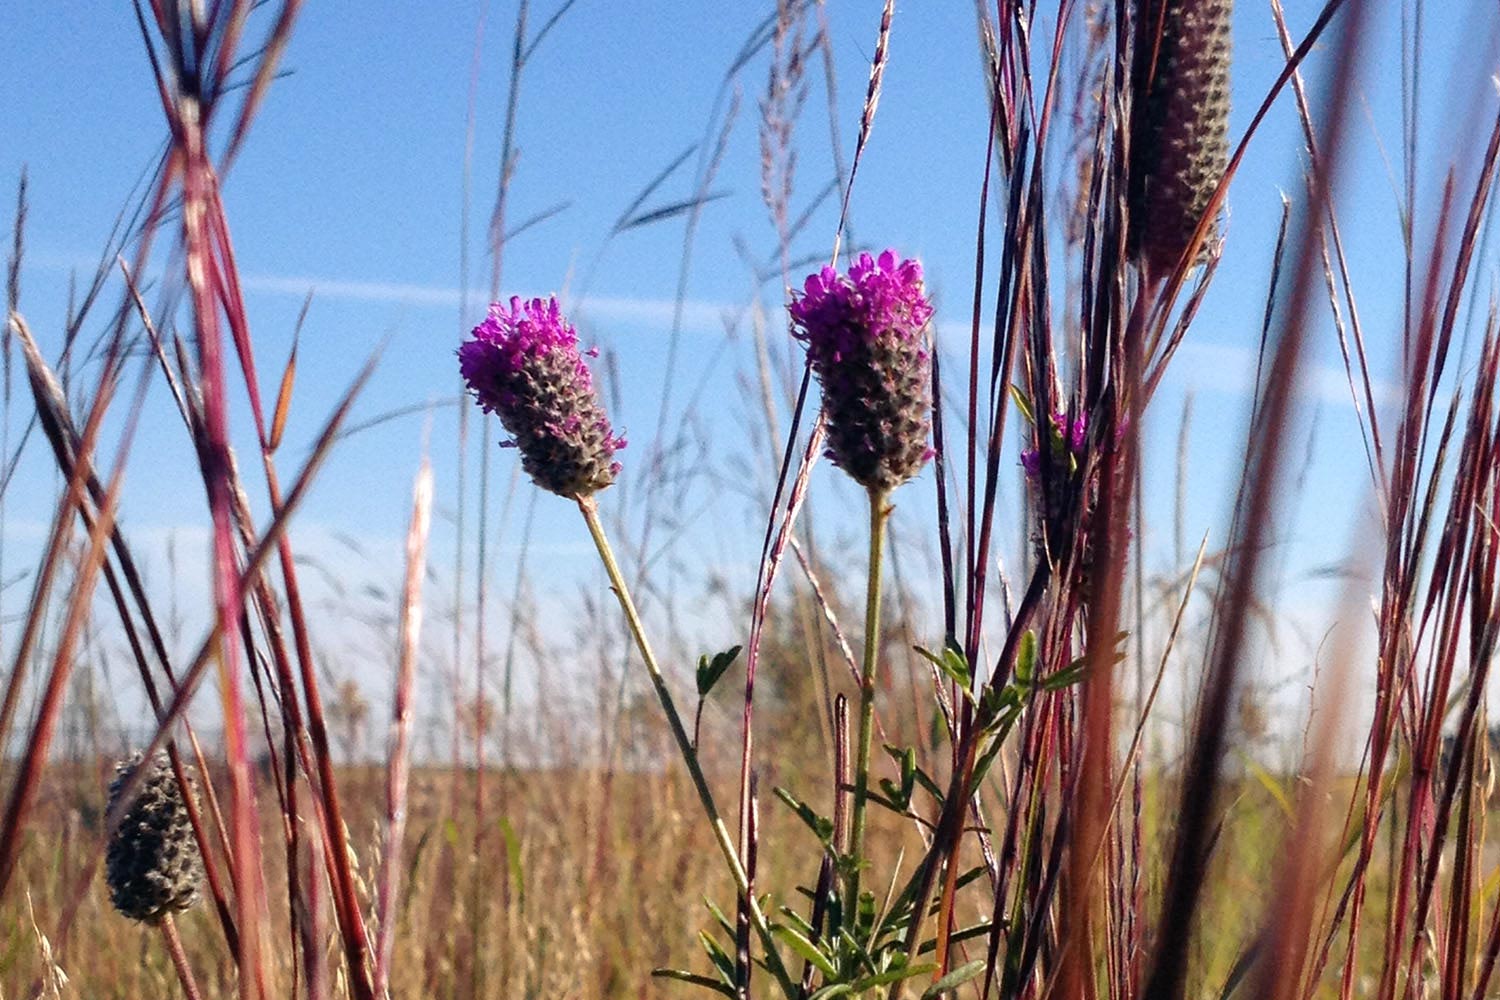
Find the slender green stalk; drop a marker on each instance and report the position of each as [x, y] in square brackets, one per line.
[878, 514]
[689, 755]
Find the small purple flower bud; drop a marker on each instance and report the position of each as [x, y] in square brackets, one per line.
[866, 336]
[1078, 434]
[523, 364]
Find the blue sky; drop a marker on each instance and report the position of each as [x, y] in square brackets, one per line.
[351, 187]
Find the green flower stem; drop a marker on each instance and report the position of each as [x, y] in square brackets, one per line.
[879, 512]
[590, 510]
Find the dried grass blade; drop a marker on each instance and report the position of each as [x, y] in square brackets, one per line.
[399, 764]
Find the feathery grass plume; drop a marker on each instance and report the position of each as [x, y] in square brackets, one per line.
[523, 364]
[1179, 145]
[153, 867]
[866, 335]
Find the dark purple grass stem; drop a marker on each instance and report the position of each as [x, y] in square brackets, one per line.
[213, 456]
[973, 580]
[1474, 473]
[1407, 531]
[295, 732]
[346, 897]
[841, 784]
[949, 829]
[213, 279]
[750, 837]
[24, 785]
[189, 100]
[1336, 238]
[1094, 805]
[345, 894]
[1263, 467]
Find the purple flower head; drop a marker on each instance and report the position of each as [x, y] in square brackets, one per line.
[1073, 435]
[1065, 441]
[523, 365]
[866, 336]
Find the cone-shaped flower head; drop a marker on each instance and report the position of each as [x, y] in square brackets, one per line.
[1180, 138]
[153, 867]
[866, 335]
[523, 364]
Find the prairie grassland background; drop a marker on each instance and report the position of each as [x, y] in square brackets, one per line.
[553, 846]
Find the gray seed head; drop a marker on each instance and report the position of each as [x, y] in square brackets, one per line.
[153, 867]
[1180, 130]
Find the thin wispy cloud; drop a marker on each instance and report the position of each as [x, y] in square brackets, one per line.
[697, 315]
[1227, 369]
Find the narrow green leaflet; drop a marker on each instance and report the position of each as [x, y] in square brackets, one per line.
[951, 663]
[710, 669]
[954, 979]
[822, 826]
[1026, 658]
[693, 978]
[805, 948]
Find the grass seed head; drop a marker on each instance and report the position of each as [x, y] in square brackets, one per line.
[523, 364]
[153, 867]
[1180, 138]
[866, 335]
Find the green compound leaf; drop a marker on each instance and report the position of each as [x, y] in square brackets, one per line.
[821, 826]
[722, 962]
[951, 663]
[711, 669]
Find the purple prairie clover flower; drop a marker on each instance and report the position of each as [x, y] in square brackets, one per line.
[1031, 461]
[1078, 430]
[866, 336]
[523, 365]
[1066, 439]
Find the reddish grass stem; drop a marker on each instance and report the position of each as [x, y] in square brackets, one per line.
[173, 944]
